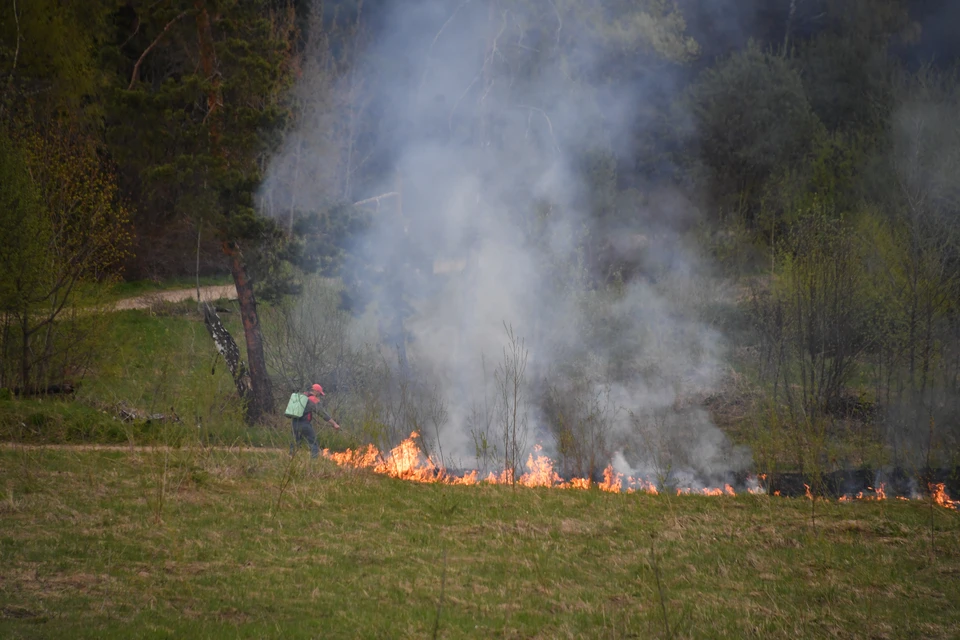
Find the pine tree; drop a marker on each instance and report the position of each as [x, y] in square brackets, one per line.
[194, 116]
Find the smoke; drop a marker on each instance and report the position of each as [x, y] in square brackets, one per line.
[503, 122]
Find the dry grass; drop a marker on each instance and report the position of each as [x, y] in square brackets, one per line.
[349, 554]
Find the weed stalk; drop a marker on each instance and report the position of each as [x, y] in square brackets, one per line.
[286, 481]
[660, 592]
[443, 585]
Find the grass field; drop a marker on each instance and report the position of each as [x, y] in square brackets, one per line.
[147, 363]
[228, 543]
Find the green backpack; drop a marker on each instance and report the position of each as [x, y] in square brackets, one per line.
[296, 406]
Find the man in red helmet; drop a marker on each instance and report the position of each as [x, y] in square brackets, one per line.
[303, 427]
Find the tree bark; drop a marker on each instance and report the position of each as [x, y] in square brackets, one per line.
[227, 347]
[208, 62]
[260, 395]
[260, 401]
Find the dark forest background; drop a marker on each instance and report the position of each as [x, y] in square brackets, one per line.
[817, 140]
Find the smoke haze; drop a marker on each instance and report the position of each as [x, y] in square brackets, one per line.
[491, 115]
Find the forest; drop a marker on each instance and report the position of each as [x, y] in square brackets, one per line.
[634, 318]
[686, 238]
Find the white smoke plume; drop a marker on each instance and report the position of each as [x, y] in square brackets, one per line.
[489, 112]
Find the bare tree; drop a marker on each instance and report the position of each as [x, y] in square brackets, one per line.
[512, 402]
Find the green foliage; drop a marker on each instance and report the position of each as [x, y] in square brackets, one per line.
[192, 145]
[49, 57]
[848, 83]
[652, 25]
[25, 230]
[826, 322]
[753, 120]
[67, 240]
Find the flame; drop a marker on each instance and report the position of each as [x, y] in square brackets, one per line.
[939, 494]
[881, 494]
[878, 494]
[639, 484]
[407, 461]
[611, 481]
[541, 473]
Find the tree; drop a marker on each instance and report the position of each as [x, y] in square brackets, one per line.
[847, 67]
[48, 58]
[64, 233]
[752, 120]
[917, 192]
[329, 131]
[194, 115]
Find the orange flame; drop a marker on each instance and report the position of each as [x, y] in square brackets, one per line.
[878, 494]
[407, 461]
[611, 481]
[541, 473]
[939, 494]
[639, 484]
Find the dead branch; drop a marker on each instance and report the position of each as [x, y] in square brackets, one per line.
[16, 51]
[543, 113]
[377, 199]
[559, 20]
[136, 30]
[136, 67]
[460, 99]
[423, 78]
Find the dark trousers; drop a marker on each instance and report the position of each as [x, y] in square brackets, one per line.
[303, 430]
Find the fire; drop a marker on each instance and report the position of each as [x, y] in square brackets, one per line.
[639, 484]
[939, 495]
[878, 494]
[541, 473]
[407, 461]
[611, 482]
[755, 485]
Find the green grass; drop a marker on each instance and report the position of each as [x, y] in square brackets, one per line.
[155, 360]
[149, 364]
[191, 543]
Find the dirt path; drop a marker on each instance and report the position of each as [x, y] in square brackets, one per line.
[208, 294]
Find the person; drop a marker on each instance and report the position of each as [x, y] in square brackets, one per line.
[303, 427]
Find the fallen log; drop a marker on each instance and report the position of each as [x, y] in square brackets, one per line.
[54, 389]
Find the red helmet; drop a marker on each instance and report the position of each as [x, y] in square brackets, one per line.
[317, 389]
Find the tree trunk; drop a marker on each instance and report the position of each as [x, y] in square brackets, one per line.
[25, 351]
[208, 62]
[260, 401]
[260, 396]
[227, 347]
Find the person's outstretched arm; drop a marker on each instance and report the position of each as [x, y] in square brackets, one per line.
[319, 409]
